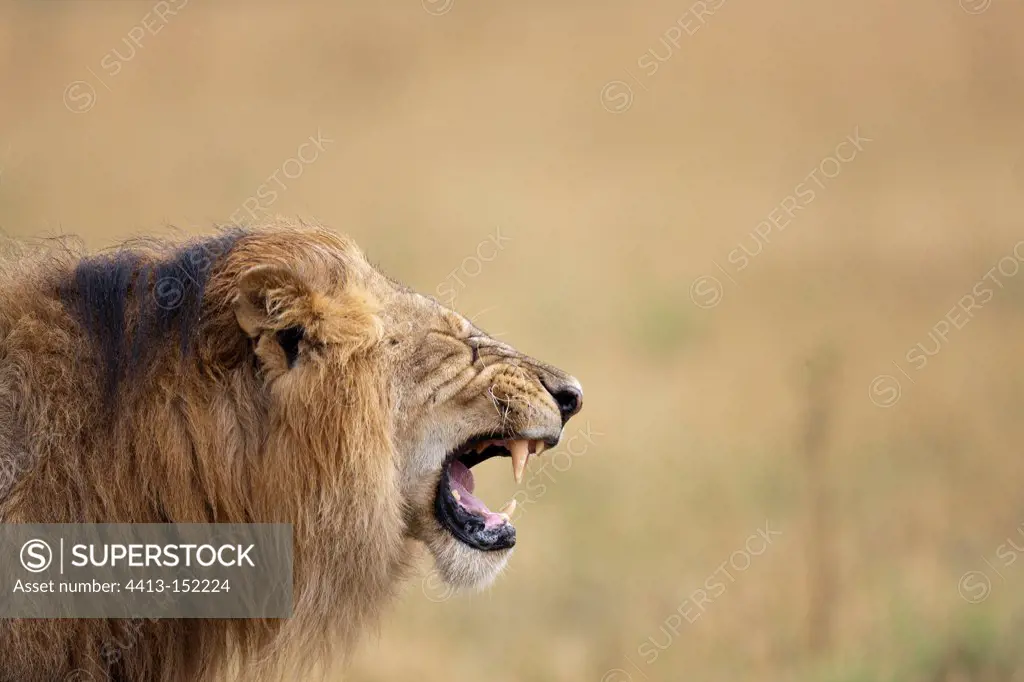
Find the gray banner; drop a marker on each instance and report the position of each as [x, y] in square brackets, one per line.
[146, 570]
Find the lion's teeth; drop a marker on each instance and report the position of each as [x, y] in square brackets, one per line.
[455, 494]
[509, 508]
[480, 447]
[520, 453]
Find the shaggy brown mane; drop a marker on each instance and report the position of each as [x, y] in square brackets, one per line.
[117, 406]
[109, 292]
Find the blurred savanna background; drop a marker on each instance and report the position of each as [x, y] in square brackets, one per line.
[778, 242]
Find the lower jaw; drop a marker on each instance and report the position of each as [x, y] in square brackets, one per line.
[476, 536]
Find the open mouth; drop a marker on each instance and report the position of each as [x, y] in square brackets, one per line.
[464, 514]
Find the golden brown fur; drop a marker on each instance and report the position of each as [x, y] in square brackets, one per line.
[190, 411]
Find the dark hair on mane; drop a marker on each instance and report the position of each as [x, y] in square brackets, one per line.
[131, 301]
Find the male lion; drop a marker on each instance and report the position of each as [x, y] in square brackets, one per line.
[266, 374]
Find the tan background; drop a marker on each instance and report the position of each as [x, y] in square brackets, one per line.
[453, 120]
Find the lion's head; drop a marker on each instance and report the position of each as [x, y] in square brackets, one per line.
[453, 396]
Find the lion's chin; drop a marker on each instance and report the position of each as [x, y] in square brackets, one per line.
[462, 566]
[458, 564]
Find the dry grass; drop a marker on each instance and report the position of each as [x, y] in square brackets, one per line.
[446, 127]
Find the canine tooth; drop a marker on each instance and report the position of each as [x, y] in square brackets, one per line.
[520, 453]
[509, 508]
[455, 494]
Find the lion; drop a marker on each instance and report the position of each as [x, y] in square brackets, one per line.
[265, 374]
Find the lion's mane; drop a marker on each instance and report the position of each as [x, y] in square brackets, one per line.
[127, 395]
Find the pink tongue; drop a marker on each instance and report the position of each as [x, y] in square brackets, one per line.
[461, 479]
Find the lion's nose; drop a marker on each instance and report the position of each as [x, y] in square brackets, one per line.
[567, 393]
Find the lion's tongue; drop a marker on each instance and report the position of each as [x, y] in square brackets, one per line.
[461, 479]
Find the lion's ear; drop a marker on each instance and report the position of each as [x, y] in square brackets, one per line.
[272, 298]
[276, 299]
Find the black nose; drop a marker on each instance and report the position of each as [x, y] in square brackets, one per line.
[567, 393]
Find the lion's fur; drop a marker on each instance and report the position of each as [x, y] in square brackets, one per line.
[117, 407]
